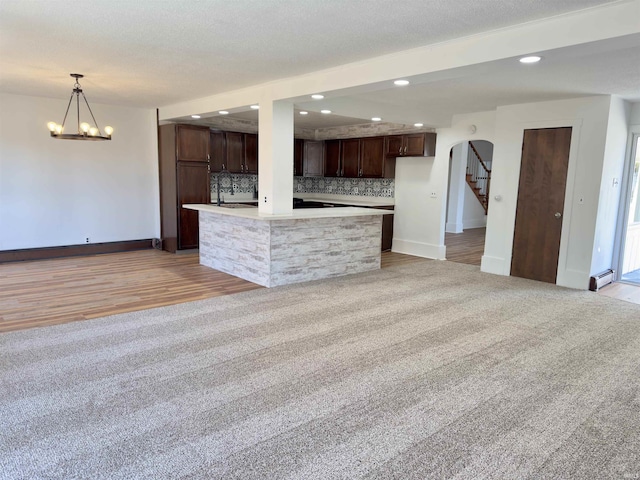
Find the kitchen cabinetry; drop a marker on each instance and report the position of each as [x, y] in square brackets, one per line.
[184, 152]
[234, 152]
[332, 158]
[298, 157]
[350, 158]
[250, 153]
[356, 157]
[411, 145]
[216, 150]
[372, 157]
[313, 159]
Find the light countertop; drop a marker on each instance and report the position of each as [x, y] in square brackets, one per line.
[358, 200]
[300, 213]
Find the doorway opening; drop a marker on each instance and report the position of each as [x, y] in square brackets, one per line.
[470, 165]
[629, 260]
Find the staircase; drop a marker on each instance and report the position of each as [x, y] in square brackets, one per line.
[478, 177]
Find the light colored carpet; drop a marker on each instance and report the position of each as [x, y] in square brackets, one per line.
[430, 370]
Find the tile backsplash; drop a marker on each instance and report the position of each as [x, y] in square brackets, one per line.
[366, 187]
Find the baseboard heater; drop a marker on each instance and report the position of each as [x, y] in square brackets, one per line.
[596, 282]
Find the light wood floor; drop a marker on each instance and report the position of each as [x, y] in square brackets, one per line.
[466, 247]
[49, 292]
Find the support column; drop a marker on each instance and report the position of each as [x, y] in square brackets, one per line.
[275, 157]
[457, 188]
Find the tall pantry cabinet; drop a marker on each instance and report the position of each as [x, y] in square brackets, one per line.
[184, 178]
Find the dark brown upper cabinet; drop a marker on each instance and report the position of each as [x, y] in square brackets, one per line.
[332, 158]
[372, 157]
[411, 145]
[217, 150]
[250, 154]
[234, 152]
[350, 158]
[192, 143]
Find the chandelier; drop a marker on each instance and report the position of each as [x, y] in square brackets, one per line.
[85, 130]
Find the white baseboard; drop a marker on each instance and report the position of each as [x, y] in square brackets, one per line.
[573, 279]
[495, 265]
[419, 249]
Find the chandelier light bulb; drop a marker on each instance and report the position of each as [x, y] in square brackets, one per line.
[108, 130]
[58, 129]
[93, 131]
[51, 126]
[84, 126]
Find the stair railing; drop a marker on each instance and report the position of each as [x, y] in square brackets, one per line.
[478, 177]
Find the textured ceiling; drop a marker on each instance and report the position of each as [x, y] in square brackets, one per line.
[153, 53]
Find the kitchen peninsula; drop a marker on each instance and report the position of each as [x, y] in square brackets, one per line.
[307, 244]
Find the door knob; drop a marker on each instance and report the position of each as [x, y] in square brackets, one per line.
[557, 215]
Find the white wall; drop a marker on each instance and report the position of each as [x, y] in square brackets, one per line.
[588, 117]
[419, 219]
[610, 186]
[58, 192]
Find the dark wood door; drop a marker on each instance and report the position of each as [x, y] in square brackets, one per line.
[250, 153]
[298, 157]
[192, 143]
[414, 145]
[543, 178]
[235, 152]
[394, 145]
[332, 158]
[193, 187]
[217, 151]
[372, 157]
[314, 158]
[350, 157]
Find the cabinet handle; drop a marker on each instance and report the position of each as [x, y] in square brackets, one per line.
[400, 151]
[342, 172]
[338, 173]
[360, 173]
[208, 157]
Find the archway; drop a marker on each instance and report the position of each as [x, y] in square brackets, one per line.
[467, 200]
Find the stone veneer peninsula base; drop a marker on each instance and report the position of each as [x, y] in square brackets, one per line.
[273, 250]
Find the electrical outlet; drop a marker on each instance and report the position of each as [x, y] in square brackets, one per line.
[434, 195]
[265, 199]
[87, 240]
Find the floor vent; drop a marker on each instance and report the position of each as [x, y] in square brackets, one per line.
[598, 281]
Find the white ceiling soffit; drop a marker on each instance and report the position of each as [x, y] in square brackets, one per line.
[150, 53]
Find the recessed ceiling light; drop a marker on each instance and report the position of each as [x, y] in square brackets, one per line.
[303, 112]
[531, 59]
[418, 124]
[317, 96]
[375, 119]
[401, 83]
[223, 112]
[255, 107]
[325, 111]
[195, 116]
